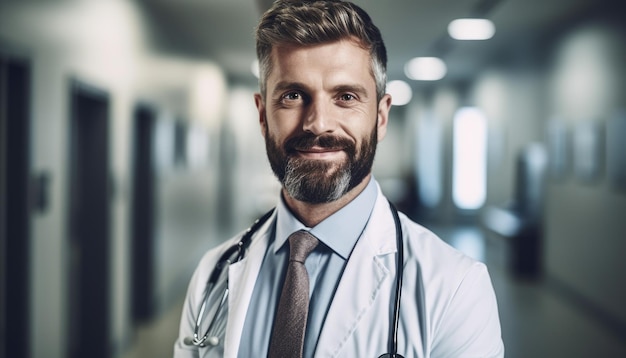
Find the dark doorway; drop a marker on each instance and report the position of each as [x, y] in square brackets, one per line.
[14, 207]
[143, 214]
[89, 223]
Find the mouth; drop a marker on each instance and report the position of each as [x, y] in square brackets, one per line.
[320, 153]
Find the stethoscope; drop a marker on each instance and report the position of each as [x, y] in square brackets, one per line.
[237, 252]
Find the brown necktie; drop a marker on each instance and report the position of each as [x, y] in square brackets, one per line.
[290, 322]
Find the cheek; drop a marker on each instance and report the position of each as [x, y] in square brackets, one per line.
[281, 125]
[361, 129]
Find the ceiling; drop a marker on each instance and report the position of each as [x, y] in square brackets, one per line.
[222, 30]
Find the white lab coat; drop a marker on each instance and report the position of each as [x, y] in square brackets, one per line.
[448, 304]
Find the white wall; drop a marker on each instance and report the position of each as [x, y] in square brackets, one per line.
[585, 228]
[512, 101]
[47, 36]
[585, 82]
[254, 188]
[49, 247]
[107, 45]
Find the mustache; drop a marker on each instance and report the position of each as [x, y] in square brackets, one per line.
[308, 140]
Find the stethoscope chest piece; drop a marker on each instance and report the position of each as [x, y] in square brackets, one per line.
[236, 253]
[213, 341]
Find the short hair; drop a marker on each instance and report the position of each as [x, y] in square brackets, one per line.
[312, 22]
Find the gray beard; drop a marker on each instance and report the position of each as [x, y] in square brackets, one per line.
[318, 181]
[309, 181]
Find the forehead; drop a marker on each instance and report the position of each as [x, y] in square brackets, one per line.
[343, 60]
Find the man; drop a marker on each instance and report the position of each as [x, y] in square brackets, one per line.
[322, 110]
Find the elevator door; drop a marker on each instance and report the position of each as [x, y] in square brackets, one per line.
[143, 251]
[14, 207]
[89, 223]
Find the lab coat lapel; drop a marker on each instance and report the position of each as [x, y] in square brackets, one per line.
[242, 276]
[360, 286]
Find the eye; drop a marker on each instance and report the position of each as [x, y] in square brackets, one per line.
[292, 96]
[347, 97]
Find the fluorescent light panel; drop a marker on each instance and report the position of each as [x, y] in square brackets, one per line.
[425, 69]
[254, 68]
[471, 29]
[400, 92]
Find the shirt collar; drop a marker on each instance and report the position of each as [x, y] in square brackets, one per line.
[339, 232]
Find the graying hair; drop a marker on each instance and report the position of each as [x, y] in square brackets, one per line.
[310, 22]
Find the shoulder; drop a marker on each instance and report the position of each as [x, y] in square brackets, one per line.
[211, 257]
[439, 268]
[424, 244]
[260, 229]
[457, 294]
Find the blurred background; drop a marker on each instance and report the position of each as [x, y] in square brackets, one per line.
[129, 145]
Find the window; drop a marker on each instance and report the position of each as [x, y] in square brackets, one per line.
[469, 165]
[429, 159]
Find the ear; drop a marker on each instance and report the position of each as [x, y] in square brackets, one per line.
[260, 106]
[384, 106]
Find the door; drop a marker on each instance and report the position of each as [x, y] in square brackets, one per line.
[14, 207]
[89, 195]
[143, 214]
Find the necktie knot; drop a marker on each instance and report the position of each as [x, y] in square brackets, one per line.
[301, 244]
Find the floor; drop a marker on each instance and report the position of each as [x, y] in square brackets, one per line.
[537, 321]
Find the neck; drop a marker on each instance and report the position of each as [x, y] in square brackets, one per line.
[312, 214]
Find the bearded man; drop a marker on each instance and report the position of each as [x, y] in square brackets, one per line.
[334, 270]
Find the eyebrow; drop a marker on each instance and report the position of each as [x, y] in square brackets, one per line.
[356, 88]
[286, 85]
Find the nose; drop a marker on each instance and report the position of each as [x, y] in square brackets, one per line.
[319, 118]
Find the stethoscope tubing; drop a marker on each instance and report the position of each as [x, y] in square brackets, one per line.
[241, 247]
[393, 341]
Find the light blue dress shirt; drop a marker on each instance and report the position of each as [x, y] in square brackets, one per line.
[338, 235]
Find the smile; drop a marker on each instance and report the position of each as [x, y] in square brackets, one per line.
[320, 153]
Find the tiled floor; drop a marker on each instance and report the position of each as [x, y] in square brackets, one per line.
[537, 321]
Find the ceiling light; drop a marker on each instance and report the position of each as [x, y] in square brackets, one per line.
[400, 92]
[471, 29]
[425, 69]
[254, 68]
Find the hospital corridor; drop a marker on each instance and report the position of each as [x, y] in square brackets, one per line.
[130, 144]
[537, 320]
